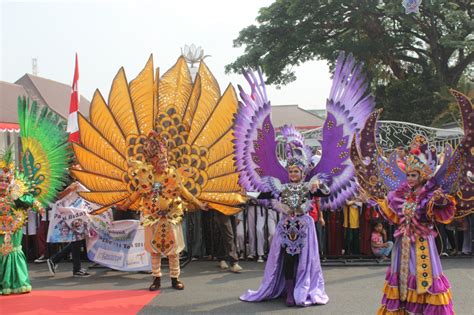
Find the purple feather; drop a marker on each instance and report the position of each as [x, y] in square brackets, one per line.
[294, 144]
[255, 144]
[348, 106]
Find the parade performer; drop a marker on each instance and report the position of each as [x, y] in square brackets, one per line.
[44, 166]
[293, 266]
[414, 199]
[161, 146]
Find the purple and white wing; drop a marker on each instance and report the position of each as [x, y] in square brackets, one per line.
[348, 106]
[255, 144]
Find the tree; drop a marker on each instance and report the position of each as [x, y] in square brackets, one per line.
[437, 43]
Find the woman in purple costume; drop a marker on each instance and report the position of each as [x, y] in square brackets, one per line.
[293, 267]
[415, 283]
[420, 194]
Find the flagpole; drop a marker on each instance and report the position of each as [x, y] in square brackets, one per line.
[72, 125]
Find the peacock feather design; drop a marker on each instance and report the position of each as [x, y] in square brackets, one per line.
[193, 116]
[46, 154]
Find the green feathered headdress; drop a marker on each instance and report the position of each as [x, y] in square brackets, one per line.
[6, 159]
[46, 152]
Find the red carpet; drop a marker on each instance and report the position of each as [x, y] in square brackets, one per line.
[76, 302]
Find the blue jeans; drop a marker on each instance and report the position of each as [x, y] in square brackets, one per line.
[385, 251]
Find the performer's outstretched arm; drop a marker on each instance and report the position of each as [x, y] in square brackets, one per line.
[125, 205]
[190, 198]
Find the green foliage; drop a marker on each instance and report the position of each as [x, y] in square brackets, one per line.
[395, 46]
[411, 99]
[451, 113]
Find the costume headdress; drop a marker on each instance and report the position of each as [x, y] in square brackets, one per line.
[416, 163]
[6, 161]
[6, 170]
[417, 159]
[155, 145]
[299, 163]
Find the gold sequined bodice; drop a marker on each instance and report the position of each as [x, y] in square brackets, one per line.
[164, 198]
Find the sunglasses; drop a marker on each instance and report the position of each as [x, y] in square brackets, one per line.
[412, 175]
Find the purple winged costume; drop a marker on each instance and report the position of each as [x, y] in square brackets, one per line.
[426, 287]
[415, 283]
[308, 286]
[348, 106]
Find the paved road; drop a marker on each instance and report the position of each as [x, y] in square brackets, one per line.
[351, 289]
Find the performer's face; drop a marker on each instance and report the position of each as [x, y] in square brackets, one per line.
[294, 174]
[413, 179]
[160, 163]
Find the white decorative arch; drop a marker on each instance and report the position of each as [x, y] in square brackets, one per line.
[391, 133]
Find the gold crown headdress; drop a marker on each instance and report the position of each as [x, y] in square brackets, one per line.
[416, 163]
[417, 159]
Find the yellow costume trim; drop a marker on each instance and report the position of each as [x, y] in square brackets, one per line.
[383, 311]
[11, 219]
[460, 195]
[23, 289]
[5, 164]
[424, 278]
[141, 91]
[430, 212]
[393, 293]
[389, 213]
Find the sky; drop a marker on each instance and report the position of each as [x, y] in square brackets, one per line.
[110, 34]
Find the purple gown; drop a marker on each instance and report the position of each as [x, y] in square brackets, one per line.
[427, 288]
[309, 282]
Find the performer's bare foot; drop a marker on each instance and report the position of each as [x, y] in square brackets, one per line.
[178, 285]
[156, 284]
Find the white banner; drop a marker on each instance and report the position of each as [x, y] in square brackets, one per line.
[69, 218]
[115, 244]
[119, 245]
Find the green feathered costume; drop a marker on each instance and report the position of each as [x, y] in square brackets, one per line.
[44, 165]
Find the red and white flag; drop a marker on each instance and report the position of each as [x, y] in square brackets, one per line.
[72, 126]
